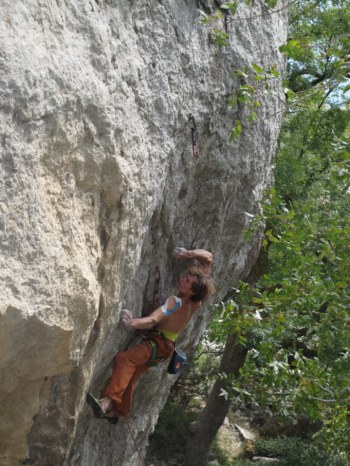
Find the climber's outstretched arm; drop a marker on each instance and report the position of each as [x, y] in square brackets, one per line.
[142, 322]
[205, 258]
[171, 305]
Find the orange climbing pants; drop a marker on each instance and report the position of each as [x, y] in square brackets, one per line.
[127, 368]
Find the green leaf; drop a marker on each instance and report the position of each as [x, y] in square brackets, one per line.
[257, 68]
[292, 48]
[252, 117]
[270, 3]
[232, 6]
[205, 20]
[220, 38]
[232, 101]
[274, 71]
[236, 131]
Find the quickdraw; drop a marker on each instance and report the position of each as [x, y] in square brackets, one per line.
[192, 123]
[156, 297]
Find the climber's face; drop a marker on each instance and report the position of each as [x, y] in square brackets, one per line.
[185, 284]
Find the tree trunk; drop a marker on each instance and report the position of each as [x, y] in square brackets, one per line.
[203, 431]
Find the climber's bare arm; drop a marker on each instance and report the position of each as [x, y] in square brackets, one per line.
[170, 306]
[142, 322]
[205, 258]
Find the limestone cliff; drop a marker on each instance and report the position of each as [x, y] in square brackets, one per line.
[99, 184]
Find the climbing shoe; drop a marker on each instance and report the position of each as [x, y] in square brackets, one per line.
[97, 409]
[112, 420]
[95, 405]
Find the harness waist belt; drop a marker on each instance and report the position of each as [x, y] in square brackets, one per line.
[166, 334]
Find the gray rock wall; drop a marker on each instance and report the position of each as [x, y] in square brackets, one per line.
[98, 184]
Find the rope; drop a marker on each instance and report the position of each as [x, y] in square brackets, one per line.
[133, 438]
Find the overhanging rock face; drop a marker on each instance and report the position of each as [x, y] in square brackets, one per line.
[99, 185]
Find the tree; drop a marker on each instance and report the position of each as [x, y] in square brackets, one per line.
[203, 431]
[298, 356]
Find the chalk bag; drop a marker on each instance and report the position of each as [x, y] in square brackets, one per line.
[177, 362]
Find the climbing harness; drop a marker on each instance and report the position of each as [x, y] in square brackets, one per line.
[178, 359]
[133, 438]
[192, 123]
[154, 358]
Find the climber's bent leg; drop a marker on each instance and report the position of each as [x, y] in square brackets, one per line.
[123, 408]
[127, 368]
[124, 368]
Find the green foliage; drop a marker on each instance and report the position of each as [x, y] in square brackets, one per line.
[216, 24]
[230, 6]
[319, 44]
[293, 451]
[236, 131]
[243, 462]
[300, 356]
[296, 320]
[220, 38]
[217, 21]
[171, 433]
[254, 81]
[271, 3]
[221, 456]
[236, 316]
[302, 362]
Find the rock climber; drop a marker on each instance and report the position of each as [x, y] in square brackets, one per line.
[166, 323]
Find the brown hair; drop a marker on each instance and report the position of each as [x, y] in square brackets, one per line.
[204, 285]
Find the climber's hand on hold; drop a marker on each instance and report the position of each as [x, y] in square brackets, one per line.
[181, 253]
[126, 317]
